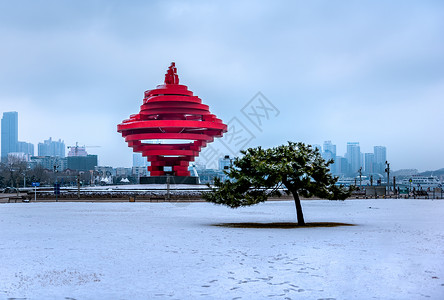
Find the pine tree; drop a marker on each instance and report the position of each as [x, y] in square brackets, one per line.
[262, 173]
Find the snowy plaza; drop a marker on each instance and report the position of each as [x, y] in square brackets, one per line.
[173, 251]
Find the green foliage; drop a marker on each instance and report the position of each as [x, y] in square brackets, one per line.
[261, 173]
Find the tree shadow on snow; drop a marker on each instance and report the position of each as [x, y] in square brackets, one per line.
[282, 225]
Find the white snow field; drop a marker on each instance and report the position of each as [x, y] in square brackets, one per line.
[172, 251]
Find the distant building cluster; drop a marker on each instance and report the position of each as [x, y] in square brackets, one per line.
[11, 147]
[354, 161]
[50, 153]
[347, 165]
[51, 157]
[51, 148]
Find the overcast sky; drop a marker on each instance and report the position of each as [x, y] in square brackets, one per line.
[359, 71]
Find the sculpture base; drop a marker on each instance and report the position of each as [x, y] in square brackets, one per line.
[172, 180]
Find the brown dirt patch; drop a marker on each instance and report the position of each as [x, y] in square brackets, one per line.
[282, 225]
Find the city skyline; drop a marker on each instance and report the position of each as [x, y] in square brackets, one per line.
[354, 157]
[368, 71]
[346, 165]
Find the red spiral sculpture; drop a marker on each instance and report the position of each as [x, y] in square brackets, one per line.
[171, 113]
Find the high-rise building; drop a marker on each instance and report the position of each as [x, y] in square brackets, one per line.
[369, 162]
[342, 167]
[330, 153]
[139, 160]
[82, 163]
[26, 148]
[353, 156]
[225, 162]
[51, 148]
[380, 153]
[329, 147]
[9, 134]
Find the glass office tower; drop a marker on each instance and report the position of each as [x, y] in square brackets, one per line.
[9, 135]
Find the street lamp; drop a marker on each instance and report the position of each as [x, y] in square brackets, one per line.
[56, 186]
[387, 169]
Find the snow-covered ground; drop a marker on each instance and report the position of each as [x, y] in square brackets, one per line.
[172, 251]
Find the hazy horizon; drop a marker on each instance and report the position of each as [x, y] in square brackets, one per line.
[370, 72]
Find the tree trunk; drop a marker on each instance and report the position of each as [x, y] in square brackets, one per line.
[299, 214]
